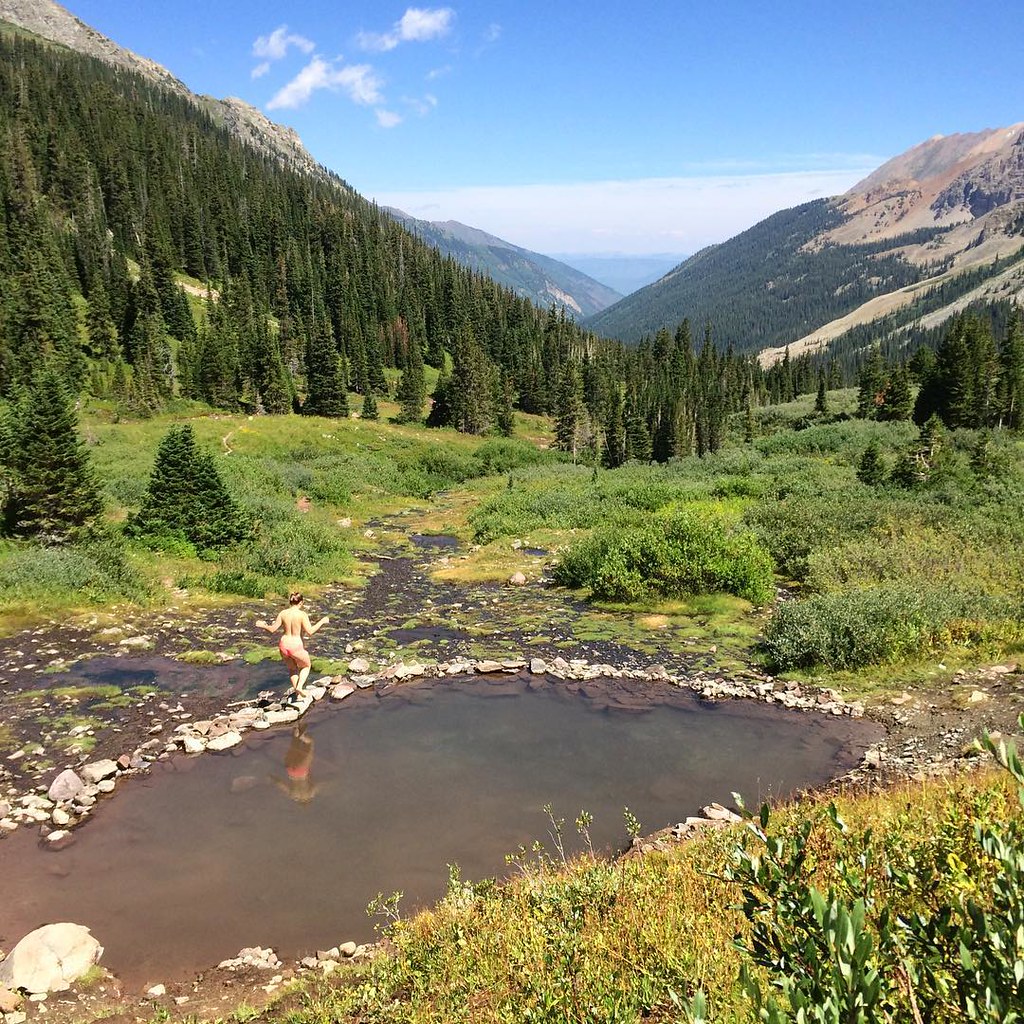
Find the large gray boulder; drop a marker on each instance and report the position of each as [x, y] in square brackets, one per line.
[66, 786]
[50, 958]
[97, 771]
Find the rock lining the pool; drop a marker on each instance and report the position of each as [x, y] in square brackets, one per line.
[72, 795]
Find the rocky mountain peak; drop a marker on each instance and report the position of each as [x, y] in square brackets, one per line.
[47, 19]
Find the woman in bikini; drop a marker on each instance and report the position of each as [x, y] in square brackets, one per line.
[293, 620]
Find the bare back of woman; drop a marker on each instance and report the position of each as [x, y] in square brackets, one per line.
[293, 621]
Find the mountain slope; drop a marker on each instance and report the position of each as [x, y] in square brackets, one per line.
[928, 223]
[531, 275]
[540, 278]
[48, 20]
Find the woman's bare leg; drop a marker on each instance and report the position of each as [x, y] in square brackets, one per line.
[302, 662]
[293, 671]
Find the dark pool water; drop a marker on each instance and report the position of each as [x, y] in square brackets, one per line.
[284, 840]
[434, 540]
[435, 634]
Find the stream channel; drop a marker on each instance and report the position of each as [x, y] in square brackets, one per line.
[283, 840]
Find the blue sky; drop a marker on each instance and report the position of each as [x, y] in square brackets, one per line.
[599, 127]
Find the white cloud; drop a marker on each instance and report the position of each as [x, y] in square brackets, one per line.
[492, 33]
[261, 69]
[439, 72]
[417, 25]
[358, 81]
[643, 216]
[423, 105]
[387, 118]
[276, 45]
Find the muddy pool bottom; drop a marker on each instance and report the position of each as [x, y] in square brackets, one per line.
[284, 840]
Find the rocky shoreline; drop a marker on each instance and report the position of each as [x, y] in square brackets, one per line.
[70, 798]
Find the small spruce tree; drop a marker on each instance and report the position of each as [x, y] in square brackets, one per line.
[186, 497]
[52, 494]
[871, 469]
[821, 400]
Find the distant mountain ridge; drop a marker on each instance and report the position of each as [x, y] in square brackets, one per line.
[928, 229]
[624, 273]
[539, 278]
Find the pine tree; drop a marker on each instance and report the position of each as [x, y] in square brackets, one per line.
[103, 340]
[325, 377]
[369, 408]
[821, 401]
[871, 468]
[1011, 373]
[412, 388]
[504, 415]
[897, 398]
[638, 437]
[569, 411]
[615, 433]
[870, 385]
[983, 462]
[53, 495]
[186, 497]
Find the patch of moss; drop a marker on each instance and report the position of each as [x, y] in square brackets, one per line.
[328, 666]
[97, 690]
[200, 657]
[255, 655]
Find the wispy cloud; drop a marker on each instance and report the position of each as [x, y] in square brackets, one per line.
[387, 118]
[492, 33]
[276, 46]
[417, 25]
[359, 82]
[680, 214]
[422, 105]
[440, 72]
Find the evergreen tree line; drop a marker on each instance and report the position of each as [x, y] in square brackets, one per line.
[970, 380]
[664, 399]
[112, 190]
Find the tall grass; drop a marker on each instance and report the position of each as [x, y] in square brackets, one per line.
[627, 941]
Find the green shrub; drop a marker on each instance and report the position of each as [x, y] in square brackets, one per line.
[843, 927]
[503, 454]
[237, 582]
[95, 571]
[284, 549]
[885, 625]
[682, 551]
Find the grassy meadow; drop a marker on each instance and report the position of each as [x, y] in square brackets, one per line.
[871, 576]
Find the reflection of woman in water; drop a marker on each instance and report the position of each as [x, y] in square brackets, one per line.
[297, 763]
[293, 620]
